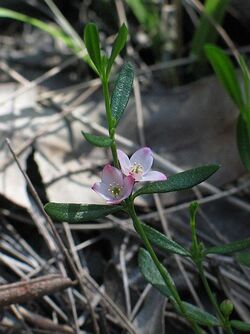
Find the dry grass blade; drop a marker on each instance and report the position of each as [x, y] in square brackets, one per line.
[44, 323]
[27, 290]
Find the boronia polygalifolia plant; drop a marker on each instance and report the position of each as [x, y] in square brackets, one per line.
[117, 186]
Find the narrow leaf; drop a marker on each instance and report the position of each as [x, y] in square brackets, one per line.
[92, 43]
[240, 325]
[243, 141]
[54, 30]
[201, 317]
[151, 273]
[118, 45]
[225, 72]
[100, 141]
[180, 181]
[122, 90]
[163, 242]
[77, 213]
[230, 248]
[243, 258]
[205, 31]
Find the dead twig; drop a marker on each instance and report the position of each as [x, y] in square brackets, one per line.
[23, 291]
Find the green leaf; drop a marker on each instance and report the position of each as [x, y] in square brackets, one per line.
[118, 45]
[122, 90]
[246, 80]
[230, 248]
[243, 258]
[163, 242]
[77, 213]
[53, 30]
[243, 141]
[240, 325]
[180, 181]
[151, 273]
[100, 141]
[92, 43]
[224, 69]
[201, 317]
[205, 31]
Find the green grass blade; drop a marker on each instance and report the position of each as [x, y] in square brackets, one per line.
[243, 142]
[205, 32]
[224, 69]
[53, 30]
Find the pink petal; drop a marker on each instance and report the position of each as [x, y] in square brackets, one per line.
[143, 157]
[102, 189]
[111, 174]
[128, 186]
[154, 176]
[114, 201]
[124, 162]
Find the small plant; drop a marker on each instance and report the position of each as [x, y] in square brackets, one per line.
[125, 180]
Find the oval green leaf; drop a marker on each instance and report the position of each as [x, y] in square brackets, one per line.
[201, 317]
[243, 141]
[240, 325]
[230, 248]
[180, 181]
[78, 213]
[243, 258]
[163, 242]
[118, 45]
[100, 141]
[151, 273]
[224, 69]
[92, 43]
[122, 91]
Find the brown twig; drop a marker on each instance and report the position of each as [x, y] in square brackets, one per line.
[23, 291]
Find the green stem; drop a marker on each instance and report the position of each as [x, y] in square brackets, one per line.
[111, 128]
[159, 266]
[224, 321]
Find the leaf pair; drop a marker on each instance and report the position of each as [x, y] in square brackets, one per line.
[92, 43]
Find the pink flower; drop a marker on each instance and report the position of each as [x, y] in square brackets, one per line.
[114, 187]
[139, 165]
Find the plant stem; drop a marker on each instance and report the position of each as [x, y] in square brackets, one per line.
[105, 87]
[226, 324]
[165, 276]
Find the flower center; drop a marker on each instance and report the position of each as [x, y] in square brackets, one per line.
[136, 168]
[115, 189]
